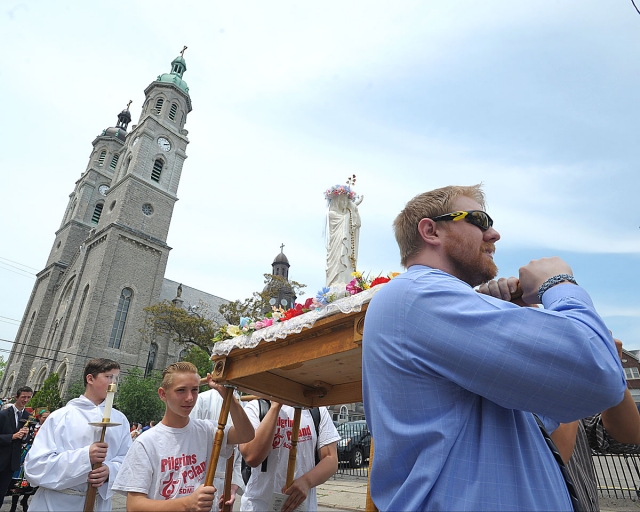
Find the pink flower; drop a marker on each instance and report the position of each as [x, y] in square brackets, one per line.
[352, 287]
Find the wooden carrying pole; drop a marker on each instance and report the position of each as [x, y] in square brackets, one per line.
[219, 436]
[291, 468]
[226, 496]
[90, 498]
[370, 506]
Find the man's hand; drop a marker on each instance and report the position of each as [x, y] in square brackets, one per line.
[232, 498]
[98, 476]
[98, 452]
[618, 347]
[297, 494]
[20, 434]
[500, 289]
[202, 499]
[537, 272]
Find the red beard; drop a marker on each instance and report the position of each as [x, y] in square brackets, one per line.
[469, 264]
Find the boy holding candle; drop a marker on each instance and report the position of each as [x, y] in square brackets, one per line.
[166, 466]
[65, 449]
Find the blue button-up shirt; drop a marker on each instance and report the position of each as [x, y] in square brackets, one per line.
[450, 378]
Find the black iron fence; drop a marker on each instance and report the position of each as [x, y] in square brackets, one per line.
[354, 448]
[618, 476]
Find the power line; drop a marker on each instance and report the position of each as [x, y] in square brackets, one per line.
[12, 322]
[20, 273]
[21, 264]
[7, 318]
[636, 7]
[59, 352]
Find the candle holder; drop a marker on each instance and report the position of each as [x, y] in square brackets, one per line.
[90, 499]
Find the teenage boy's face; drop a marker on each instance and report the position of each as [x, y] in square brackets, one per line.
[182, 394]
[22, 400]
[100, 382]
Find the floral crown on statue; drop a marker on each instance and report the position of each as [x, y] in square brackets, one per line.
[338, 190]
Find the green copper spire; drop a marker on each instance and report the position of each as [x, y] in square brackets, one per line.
[178, 67]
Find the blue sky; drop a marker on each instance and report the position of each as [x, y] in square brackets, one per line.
[537, 100]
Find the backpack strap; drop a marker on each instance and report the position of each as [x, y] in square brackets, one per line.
[264, 406]
[315, 414]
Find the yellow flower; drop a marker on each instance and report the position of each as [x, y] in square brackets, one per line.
[365, 286]
[233, 330]
[356, 274]
[391, 275]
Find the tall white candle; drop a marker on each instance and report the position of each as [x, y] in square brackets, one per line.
[108, 404]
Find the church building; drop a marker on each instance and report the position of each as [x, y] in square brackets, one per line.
[108, 259]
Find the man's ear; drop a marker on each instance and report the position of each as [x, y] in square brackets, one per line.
[90, 379]
[162, 394]
[429, 232]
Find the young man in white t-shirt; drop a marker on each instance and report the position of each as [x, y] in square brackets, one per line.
[273, 441]
[166, 465]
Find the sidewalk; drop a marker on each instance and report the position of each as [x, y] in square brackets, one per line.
[343, 492]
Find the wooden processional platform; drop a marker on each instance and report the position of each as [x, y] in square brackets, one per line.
[319, 366]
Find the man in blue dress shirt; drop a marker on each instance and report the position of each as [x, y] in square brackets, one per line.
[451, 377]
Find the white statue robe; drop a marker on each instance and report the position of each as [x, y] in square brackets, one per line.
[343, 240]
[58, 461]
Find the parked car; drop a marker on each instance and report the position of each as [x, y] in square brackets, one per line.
[355, 444]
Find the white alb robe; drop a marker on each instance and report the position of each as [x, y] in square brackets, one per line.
[58, 461]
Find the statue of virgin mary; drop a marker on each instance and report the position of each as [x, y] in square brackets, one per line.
[343, 231]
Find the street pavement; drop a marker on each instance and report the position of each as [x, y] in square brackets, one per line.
[346, 493]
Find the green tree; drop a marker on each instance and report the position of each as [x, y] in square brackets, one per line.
[181, 325]
[74, 390]
[3, 365]
[49, 395]
[137, 396]
[201, 360]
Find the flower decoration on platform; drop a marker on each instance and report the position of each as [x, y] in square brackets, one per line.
[324, 297]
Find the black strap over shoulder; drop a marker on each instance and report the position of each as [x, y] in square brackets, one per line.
[264, 406]
[315, 414]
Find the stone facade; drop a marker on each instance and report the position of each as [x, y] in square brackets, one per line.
[109, 256]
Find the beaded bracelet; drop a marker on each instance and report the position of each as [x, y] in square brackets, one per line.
[552, 281]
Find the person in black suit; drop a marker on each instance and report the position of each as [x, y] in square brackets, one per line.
[11, 436]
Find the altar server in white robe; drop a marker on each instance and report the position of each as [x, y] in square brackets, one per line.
[61, 458]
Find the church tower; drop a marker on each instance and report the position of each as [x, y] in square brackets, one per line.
[109, 255]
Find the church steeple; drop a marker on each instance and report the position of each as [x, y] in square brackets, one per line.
[124, 117]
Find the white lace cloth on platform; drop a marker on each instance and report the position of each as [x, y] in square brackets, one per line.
[281, 330]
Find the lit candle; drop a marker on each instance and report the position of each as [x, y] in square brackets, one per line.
[108, 404]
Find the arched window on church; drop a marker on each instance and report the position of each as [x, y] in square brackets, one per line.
[103, 155]
[344, 413]
[75, 323]
[40, 379]
[121, 317]
[10, 385]
[151, 359]
[157, 170]
[183, 354]
[173, 111]
[62, 376]
[114, 161]
[159, 103]
[52, 335]
[97, 211]
[25, 339]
